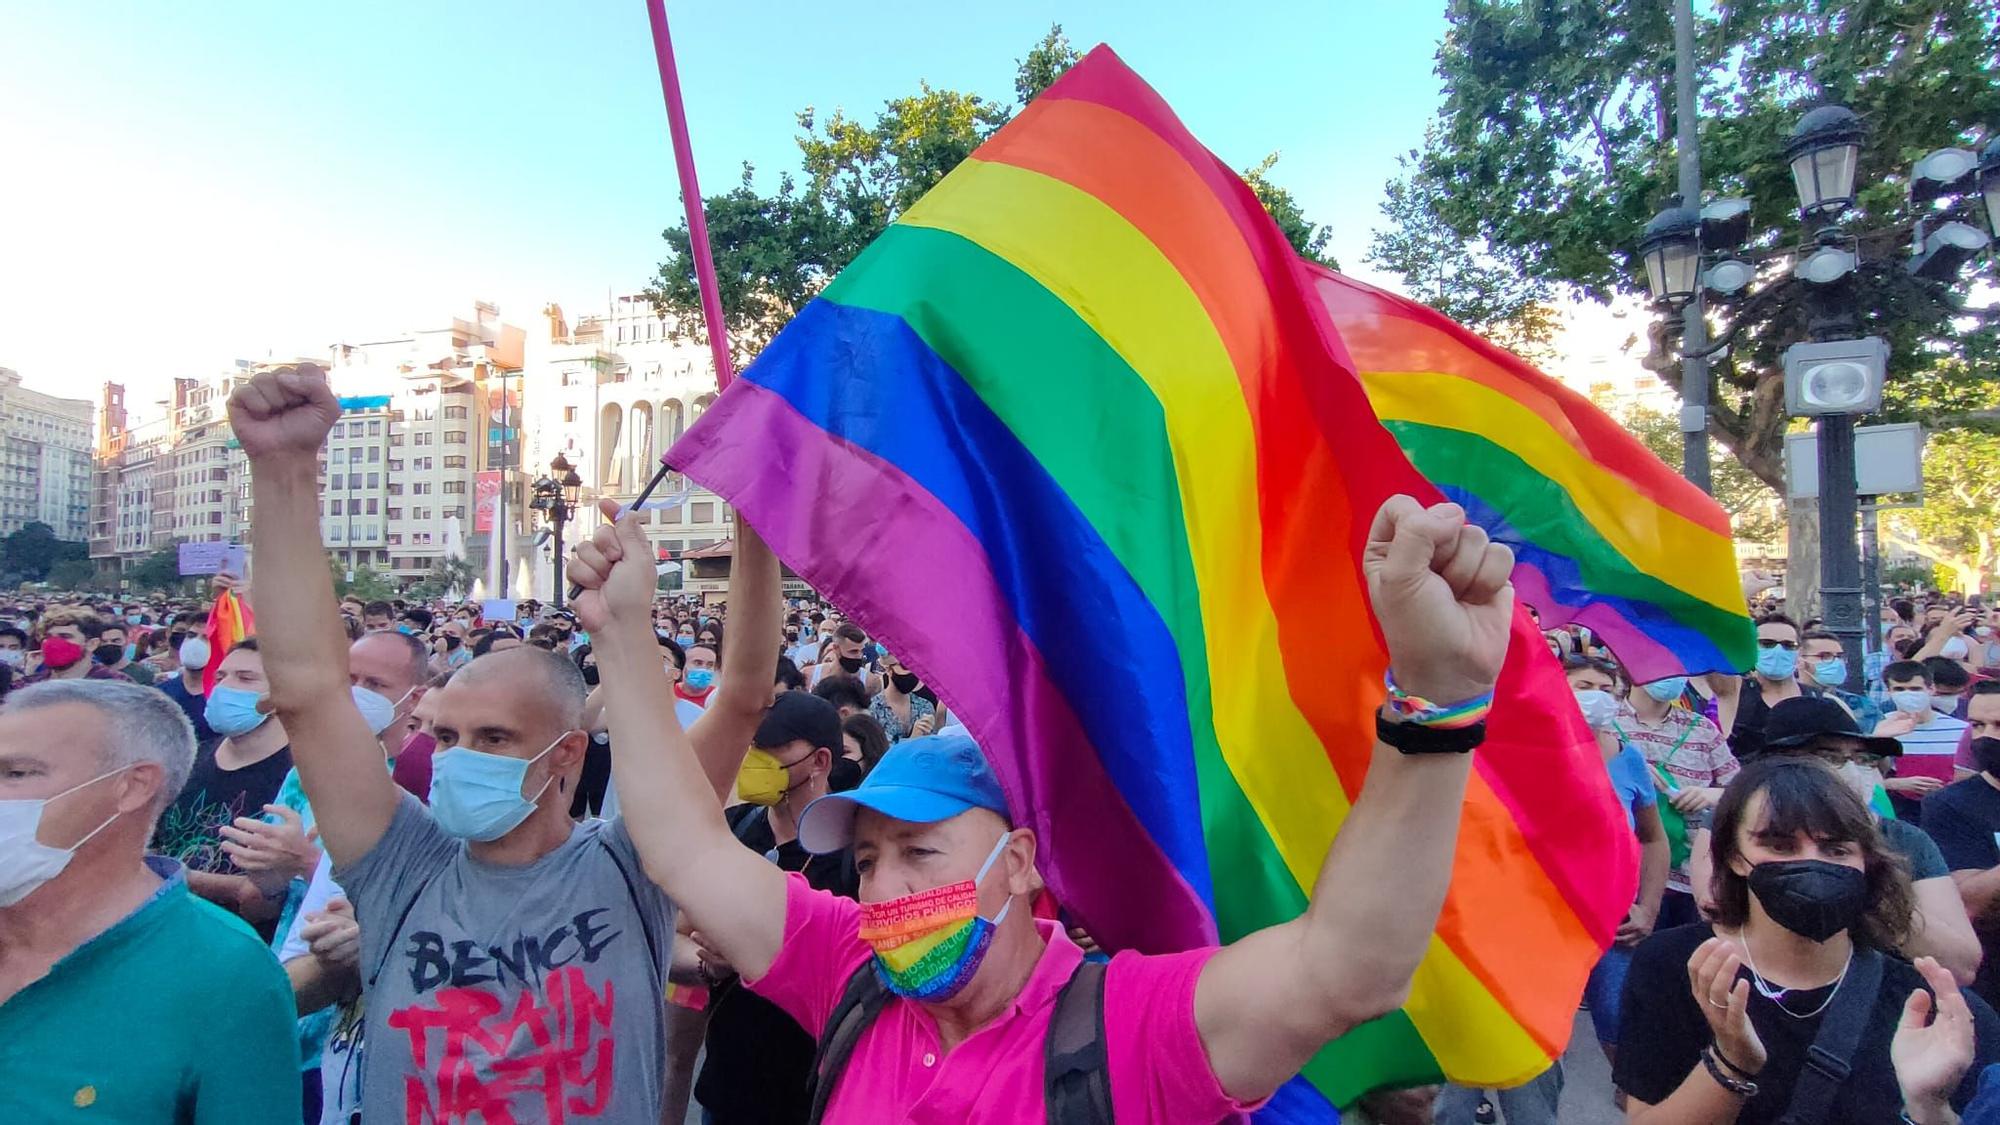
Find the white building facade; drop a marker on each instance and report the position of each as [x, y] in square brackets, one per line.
[45, 464]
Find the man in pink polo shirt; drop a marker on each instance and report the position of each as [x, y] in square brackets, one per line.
[946, 879]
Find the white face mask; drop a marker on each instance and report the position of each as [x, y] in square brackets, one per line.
[12, 657]
[194, 653]
[1911, 702]
[25, 862]
[1599, 708]
[376, 709]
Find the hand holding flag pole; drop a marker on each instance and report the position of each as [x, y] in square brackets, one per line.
[704, 261]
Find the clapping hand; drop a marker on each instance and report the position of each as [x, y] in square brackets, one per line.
[1725, 1003]
[333, 935]
[1931, 1055]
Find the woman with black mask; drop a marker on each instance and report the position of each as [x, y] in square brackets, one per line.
[1809, 906]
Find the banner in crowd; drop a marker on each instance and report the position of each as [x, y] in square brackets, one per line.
[1085, 389]
[485, 500]
[1604, 534]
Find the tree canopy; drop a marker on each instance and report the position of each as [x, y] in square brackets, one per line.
[1554, 147]
[774, 252]
[32, 552]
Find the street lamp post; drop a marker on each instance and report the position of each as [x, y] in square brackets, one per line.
[556, 497]
[1835, 376]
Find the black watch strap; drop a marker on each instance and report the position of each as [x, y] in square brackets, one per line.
[1410, 738]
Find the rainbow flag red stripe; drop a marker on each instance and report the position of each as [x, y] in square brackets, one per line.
[1075, 440]
[229, 621]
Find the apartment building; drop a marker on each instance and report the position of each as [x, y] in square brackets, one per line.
[45, 444]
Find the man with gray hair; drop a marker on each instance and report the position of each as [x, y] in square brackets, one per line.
[104, 944]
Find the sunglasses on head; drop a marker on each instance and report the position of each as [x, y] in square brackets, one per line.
[1767, 642]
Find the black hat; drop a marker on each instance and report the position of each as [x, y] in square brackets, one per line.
[796, 715]
[1796, 722]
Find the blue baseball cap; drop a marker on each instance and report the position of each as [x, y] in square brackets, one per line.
[920, 780]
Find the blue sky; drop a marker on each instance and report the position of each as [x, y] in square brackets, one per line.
[187, 184]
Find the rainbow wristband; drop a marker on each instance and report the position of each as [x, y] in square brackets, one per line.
[1418, 711]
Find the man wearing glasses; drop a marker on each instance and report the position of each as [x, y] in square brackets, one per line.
[1775, 680]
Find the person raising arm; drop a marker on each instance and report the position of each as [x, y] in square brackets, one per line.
[1191, 1036]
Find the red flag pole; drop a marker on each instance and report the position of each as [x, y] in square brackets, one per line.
[704, 261]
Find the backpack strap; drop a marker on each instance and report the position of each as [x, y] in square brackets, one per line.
[1076, 1075]
[1829, 1060]
[861, 1002]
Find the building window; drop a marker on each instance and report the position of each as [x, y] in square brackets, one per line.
[374, 480]
[339, 429]
[457, 462]
[454, 412]
[336, 507]
[333, 534]
[423, 438]
[395, 439]
[454, 437]
[395, 540]
[454, 488]
[395, 513]
[701, 513]
[424, 464]
[338, 456]
[371, 507]
[338, 479]
[395, 466]
[395, 490]
[670, 515]
[374, 429]
[420, 489]
[374, 454]
[569, 413]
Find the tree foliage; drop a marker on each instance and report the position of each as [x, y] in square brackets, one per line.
[160, 570]
[1456, 275]
[362, 582]
[445, 576]
[1554, 147]
[1959, 524]
[32, 552]
[774, 252]
[73, 574]
[1756, 512]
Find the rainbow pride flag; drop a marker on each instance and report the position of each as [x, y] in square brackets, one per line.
[1604, 533]
[1076, 441]
[229, 621]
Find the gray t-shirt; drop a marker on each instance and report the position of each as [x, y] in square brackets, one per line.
[493, 993]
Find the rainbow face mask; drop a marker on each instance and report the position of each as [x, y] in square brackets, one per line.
[929, 945]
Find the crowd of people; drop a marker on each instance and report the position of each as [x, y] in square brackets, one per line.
[389, 861]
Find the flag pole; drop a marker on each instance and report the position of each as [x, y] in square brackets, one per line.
[704, 261]
[697, 223]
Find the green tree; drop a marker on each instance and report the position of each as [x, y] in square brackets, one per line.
[160, 570]
[1457, 276]
[1047, 61]
[363, 582]
[1959, 525]
[1554, 147]
[774, 252]
[1756, 512]
[444, 576]
[73, 574]
[34, 550]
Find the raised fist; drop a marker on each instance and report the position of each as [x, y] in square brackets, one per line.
[1442, 594]
[284, 411]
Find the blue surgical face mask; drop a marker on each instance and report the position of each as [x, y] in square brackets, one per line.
[477, 796]
[233, 711]
[1831, 672]
[131, 652]
[1777, 663]
[1667, 690]
[135, 618]
[700, 679]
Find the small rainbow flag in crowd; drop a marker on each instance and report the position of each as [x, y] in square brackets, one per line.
[1075, 439]
[229, 621]
[1603, 532]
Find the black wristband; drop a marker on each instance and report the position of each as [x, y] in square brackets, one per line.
[1411, 738]
[1742, 1087]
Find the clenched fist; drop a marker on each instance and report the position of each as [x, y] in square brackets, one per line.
[1442, 594]
[284, 411]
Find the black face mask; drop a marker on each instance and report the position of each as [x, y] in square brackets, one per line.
[1986, 752]
[1810, 897]
[906, 682]
[845, 775]
[108, 654]
[590, 675]
[851, 664]
[451, 641]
